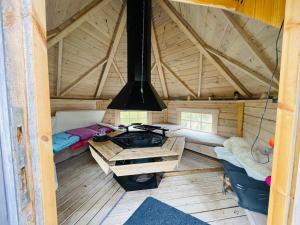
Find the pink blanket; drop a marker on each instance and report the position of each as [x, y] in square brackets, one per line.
[100, 128]
[84, 133]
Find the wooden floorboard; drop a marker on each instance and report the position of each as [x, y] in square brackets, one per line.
[86, 195]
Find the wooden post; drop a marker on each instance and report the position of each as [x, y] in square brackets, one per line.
[25, 74]
[200, 75]
[287, 136]
[113, 49]
[59, 66]
[240, 119]
[157, 57]
[165, 116]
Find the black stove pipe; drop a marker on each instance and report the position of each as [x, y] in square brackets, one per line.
[138, 93]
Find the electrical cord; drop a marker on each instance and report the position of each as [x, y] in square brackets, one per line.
[268, 97]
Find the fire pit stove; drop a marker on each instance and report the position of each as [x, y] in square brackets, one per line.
[144, 138]
[138, 156]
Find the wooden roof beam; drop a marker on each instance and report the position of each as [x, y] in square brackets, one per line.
[120, 26]
[158, 62]
[268, 11]
[250, 44]
[119, 73]
[153, 67]
[199, 43]
[200, 75]
[177, 78]
[73, 23]
[233, 62]
[81, 77]
[59, 67]
[75, 16]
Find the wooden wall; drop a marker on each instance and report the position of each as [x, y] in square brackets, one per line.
[71, 104]
[82, 104]
[252, 114]
[228, 113]
[227, 123]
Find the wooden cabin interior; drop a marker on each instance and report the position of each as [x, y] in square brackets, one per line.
[224, 77]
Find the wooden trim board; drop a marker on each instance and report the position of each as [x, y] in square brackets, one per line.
[26, 76]
[144, 168]
[268, 11]
[287, 136]
[107, 154]
[101, 162]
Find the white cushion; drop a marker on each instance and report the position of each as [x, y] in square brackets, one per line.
[199, 137]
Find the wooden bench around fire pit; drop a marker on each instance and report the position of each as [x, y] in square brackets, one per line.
[107, 154]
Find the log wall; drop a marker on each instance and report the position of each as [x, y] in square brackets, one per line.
[82, 104]
[227, 121]
[252, 114]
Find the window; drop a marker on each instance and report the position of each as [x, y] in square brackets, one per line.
[201, 120]
[129, 117]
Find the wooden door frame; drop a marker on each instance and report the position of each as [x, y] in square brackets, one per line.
[296, 209]
[6, 154]
[26, 137]
[287, 135]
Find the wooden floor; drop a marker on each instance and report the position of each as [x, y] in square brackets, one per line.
[87, 196]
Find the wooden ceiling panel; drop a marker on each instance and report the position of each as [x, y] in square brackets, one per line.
[80, 53]
[256, 88]
[196, 16]
[106, 18]
[175, 89]
[112, 85]
[89, 43]
[58, 11]
[86, 88]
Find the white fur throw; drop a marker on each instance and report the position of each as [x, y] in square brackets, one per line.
[242, 151]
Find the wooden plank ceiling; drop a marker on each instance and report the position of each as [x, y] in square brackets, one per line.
[197, 51]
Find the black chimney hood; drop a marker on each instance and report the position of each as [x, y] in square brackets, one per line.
[138, 93]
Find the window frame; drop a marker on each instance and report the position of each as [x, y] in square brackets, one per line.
[214, 112]
[118, 116]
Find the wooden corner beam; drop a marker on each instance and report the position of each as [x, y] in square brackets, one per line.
[199, 43]
[252, 47]
[59, 67]
[119, 73]
[233, 62]
[158, 61]
[200, 75]
[73, 23]
[120, 26]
